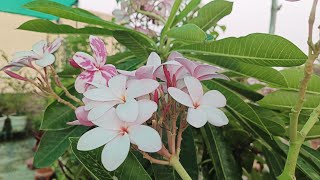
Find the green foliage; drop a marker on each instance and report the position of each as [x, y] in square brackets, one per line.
[46, 26]
[130, 169]
[188, 33]
[258, 49]
[256, 119]
[53, 144]
[211, 13]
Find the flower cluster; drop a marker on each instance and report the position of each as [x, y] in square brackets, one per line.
[131, 109]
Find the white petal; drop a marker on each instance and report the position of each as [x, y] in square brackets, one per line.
[115, 152]
[197, 117]
[146, 110]
[109, 120]
[47, 60]
[40, 47]
[154, 60]
[141, 87]
[216, 117]
[95, 138]
[89, 104]
[100, 94]
[98, 111]
[213, 98]
[22, 54]
[180, 96]
[118, 85]
[194, 88]
[128, 111]
[146, 138]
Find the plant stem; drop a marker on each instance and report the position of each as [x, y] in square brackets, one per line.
[273, 17]
[175, 163]
[296, 137]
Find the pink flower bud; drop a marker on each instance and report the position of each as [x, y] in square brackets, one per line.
[14, 75]
[73, 63]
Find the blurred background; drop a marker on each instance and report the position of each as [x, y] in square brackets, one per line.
[21, 110]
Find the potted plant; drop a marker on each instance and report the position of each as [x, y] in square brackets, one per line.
[17, 103]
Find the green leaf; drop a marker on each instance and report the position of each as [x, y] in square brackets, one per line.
[259, 49]
[235, 103]
[192, 5]
[76, 14]
[188, 159]
[46, 26]
[307, 168]
[57, 114]
[173, 12]
[220, 153]
[211, 13]
[294, 76]
[140, 47]
[120, 57]
[91, 160]
[53, 144]
[271, 120]
[242, 89]
[313, 156]
[69, 72]
[284, 99]
[275, 162]
[187, 33]
[265, 74]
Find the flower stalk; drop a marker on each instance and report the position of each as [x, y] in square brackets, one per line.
[175, 163]
[297, 137]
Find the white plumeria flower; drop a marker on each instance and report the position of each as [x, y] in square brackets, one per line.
[42, 52]
[122, 93]
[202, 108]
[117, 135]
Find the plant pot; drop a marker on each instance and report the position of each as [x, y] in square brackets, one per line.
[43, 174]
[2, 120]
[18, 123]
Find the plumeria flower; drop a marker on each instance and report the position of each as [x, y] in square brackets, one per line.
[82, 117]
[147, 71]
[95, 69]
[202, 107]
[201, 71]
[41, 53]
[117, 135]
[122, 93]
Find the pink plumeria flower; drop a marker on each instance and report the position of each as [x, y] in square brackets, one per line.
[122, 93]
[82, 117]
[117, 135]
[147, 71]
[200, 71]
[95, 69]
[42, 53]
[202, 108]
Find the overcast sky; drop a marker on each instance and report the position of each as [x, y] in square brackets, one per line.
[248, 16]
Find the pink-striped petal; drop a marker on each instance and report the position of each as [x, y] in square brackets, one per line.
[81, 83]
[213, 76]
[99, 50]
[202, 70]
[54, 45]
[127, 73]
[40, 47]
[85, 61]
[174, 55]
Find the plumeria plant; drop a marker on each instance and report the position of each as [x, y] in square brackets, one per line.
[178, 105]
